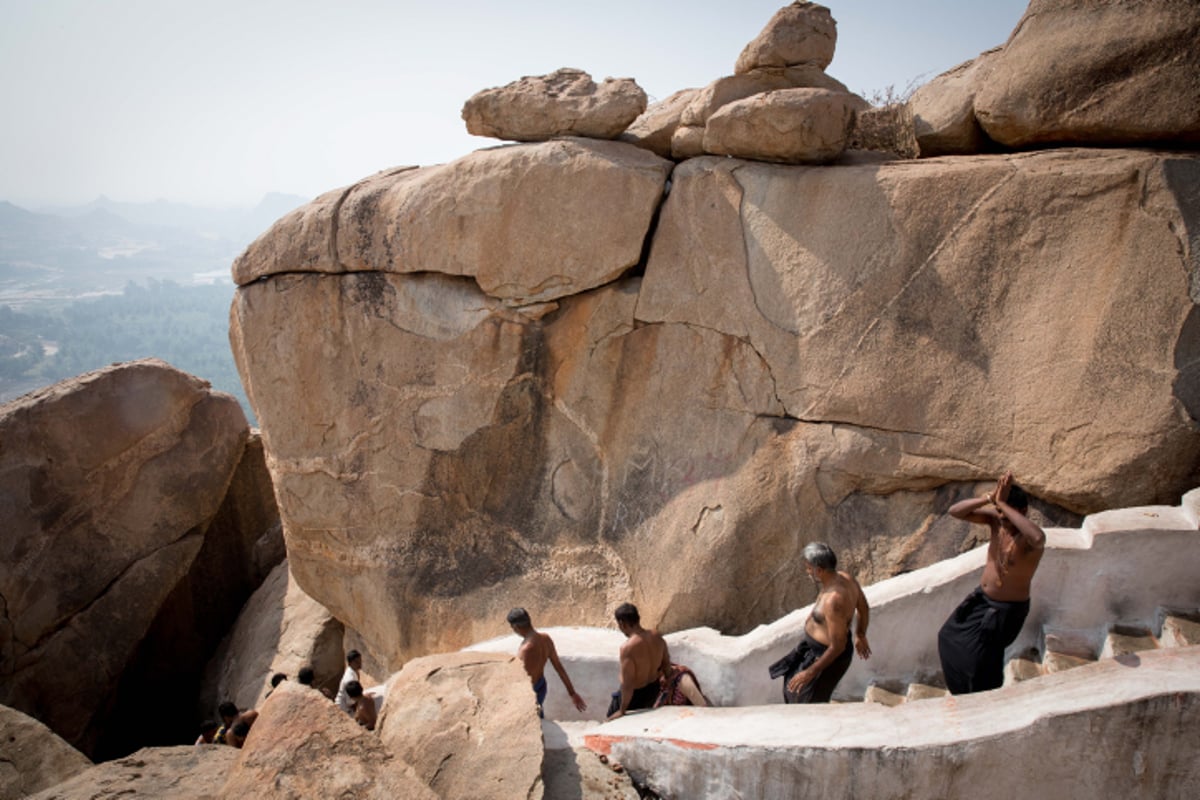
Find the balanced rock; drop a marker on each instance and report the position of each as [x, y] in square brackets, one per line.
[107, 482]
[281, 629]
[800, 33]
[792, 126]
[567, 102]
[468, 725]
[34, 757]
[687, 141]
[943, 110]
[302, 745]
[655, 127]
[1102, 72]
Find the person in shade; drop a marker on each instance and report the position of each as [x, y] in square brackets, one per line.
[536, 649]
[208, 732]
[972, 641]
[644, 660]
[353, 667]
[813, 668]
[362, 705]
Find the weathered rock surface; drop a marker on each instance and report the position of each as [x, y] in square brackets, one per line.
[505, 217]
[33, 757]
[303, 746]
[943, 110]
[468, 725]
[107, 483]
[281, 629]
[438, 455]
[154, 773]
[792, 126]
[800, 33]
[567, 102]
[1101, 72]
[687, 142]
[655, 127]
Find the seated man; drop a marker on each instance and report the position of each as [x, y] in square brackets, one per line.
[362, 705]
[353, 666]
[644, 659]
[208, 732]
[536, 649]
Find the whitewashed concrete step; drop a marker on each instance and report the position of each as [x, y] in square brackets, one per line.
[1179, 631]
[884, 696]
[1123, 640]
[1022, 668]
[867, 750]
[924, 691]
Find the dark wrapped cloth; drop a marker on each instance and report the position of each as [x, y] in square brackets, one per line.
[803, 656]
[971, 643]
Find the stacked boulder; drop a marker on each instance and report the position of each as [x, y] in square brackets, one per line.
[779, 105]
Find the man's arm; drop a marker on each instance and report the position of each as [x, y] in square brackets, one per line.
[837, 621]
[1034, 536]
[975, 509]
[863, 609]
[562, 673]
[628, 675]
[664, 667]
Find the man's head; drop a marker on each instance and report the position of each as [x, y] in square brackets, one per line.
[519, 619]
[354, 689]
[227, 711]
[306, 676]
[208, 730]
[237, 736]
[354, 659]
[1018, 499]
[627, 617]
[818, 558]
[278, 678]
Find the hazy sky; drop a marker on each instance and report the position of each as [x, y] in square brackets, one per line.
[217, 102]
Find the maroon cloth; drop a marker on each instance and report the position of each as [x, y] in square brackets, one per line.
[670, 693]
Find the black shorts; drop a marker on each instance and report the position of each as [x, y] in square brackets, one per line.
[972, 641]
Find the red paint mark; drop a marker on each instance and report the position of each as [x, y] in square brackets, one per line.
[686, 745]
[599, 743]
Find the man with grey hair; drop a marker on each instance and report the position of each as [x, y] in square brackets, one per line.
[813, 668]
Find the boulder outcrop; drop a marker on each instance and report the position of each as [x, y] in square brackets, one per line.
[280, 629]
[34, 757]
[567, 102]
[107, 484]
[153, 773]
[467, 724]
[439, 453]
[302, 745]
[943, 110]
[1102, 72]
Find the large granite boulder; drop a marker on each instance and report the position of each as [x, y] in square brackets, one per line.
[828, 353]
[185, 772]
[800, 33]
[790, 126]
[34, 757]
[281, 629]
[1102, 72]
[505, 217]
[943, 110]
[655, 127]
[467, 723]
[107, 484]
[303, 746]
[567, 102]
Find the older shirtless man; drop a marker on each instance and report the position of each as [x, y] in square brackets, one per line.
[644, 659]
[972, 641]
[814, 667]
[536, 649]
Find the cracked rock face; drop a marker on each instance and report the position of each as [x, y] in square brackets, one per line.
[107, 482]
[832, 353]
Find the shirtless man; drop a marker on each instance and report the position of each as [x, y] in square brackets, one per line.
[362, 705]
[536, 649]
[644, 659]
[814, 667]
[972, 641]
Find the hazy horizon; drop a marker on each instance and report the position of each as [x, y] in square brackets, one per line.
[218, 104]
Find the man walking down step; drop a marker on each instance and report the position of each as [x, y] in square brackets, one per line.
[814, 667]
[536, 649]
[972, 641]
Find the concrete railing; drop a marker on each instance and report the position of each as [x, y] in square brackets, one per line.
[1120, 566]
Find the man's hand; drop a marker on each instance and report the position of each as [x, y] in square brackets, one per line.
[614, 715]
[800, 679]
[861, 645]
[578, 701]
[1000, 494]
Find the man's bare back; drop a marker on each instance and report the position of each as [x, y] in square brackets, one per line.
[644, 658]
[534, 652]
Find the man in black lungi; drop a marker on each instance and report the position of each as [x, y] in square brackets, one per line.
[971, 643]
